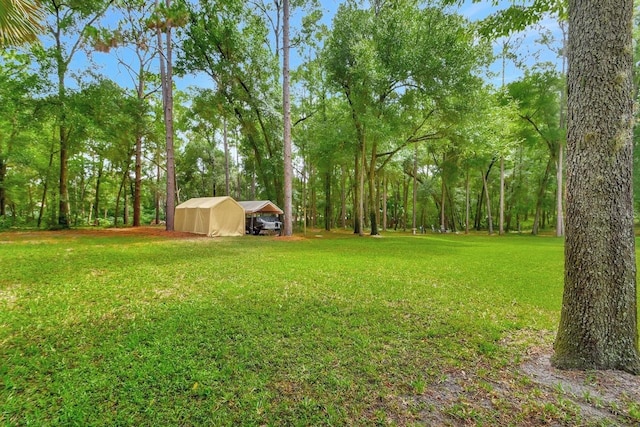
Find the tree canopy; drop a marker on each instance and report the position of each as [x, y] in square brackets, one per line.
[388, 100]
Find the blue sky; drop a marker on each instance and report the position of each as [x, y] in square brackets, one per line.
[528, 49]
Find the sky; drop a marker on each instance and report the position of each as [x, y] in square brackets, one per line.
[528, 49]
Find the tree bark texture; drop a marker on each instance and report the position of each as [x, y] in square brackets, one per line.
[598, 326]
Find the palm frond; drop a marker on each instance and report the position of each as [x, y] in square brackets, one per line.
[20, 21]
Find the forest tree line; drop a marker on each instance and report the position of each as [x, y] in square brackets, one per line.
[397, 121]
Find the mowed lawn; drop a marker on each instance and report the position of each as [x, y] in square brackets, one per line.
[331, 329]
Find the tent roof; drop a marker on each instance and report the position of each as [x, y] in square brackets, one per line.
[255, 206]
[203, 202]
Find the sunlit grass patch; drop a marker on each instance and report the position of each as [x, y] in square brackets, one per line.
[251, 331]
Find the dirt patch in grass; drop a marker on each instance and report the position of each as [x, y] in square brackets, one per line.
[145, 231]
[293, 238]
[609, 397]
[526, 392]
[157, 232]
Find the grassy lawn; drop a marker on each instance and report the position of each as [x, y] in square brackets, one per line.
[117, 329]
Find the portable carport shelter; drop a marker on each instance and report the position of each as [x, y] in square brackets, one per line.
[254, 207]
[260, 206]
[213, 216]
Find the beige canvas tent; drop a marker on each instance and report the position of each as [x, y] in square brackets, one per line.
[213, 216]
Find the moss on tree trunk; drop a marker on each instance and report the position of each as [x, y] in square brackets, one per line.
[598, 326]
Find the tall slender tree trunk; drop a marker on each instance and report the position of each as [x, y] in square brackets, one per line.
[501, 219]
[225, 142]
[137, 187]
[385, 195]
[559, 192]
[45, 187]
[560, 157]
[486, 195]
[541, 190]
[363, 154]
[286, 102]
[598, 323]
[157, 195]
[63, 190]
[405, 202]
[328, 207]
[97, 193]
[374, 211]
[478, 215]
[415, 188]
[467, 203]
[166, 75]
[3, 173]
[343, 197]
[356, 194]
[313, 212]
[121, 192]
[443, 203]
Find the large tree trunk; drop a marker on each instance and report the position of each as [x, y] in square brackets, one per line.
[598, 326]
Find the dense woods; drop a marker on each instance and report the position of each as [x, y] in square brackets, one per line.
[404, 115]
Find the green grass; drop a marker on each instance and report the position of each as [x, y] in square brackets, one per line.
[338, 330]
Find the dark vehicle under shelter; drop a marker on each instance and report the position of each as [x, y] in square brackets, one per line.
[260, 217]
